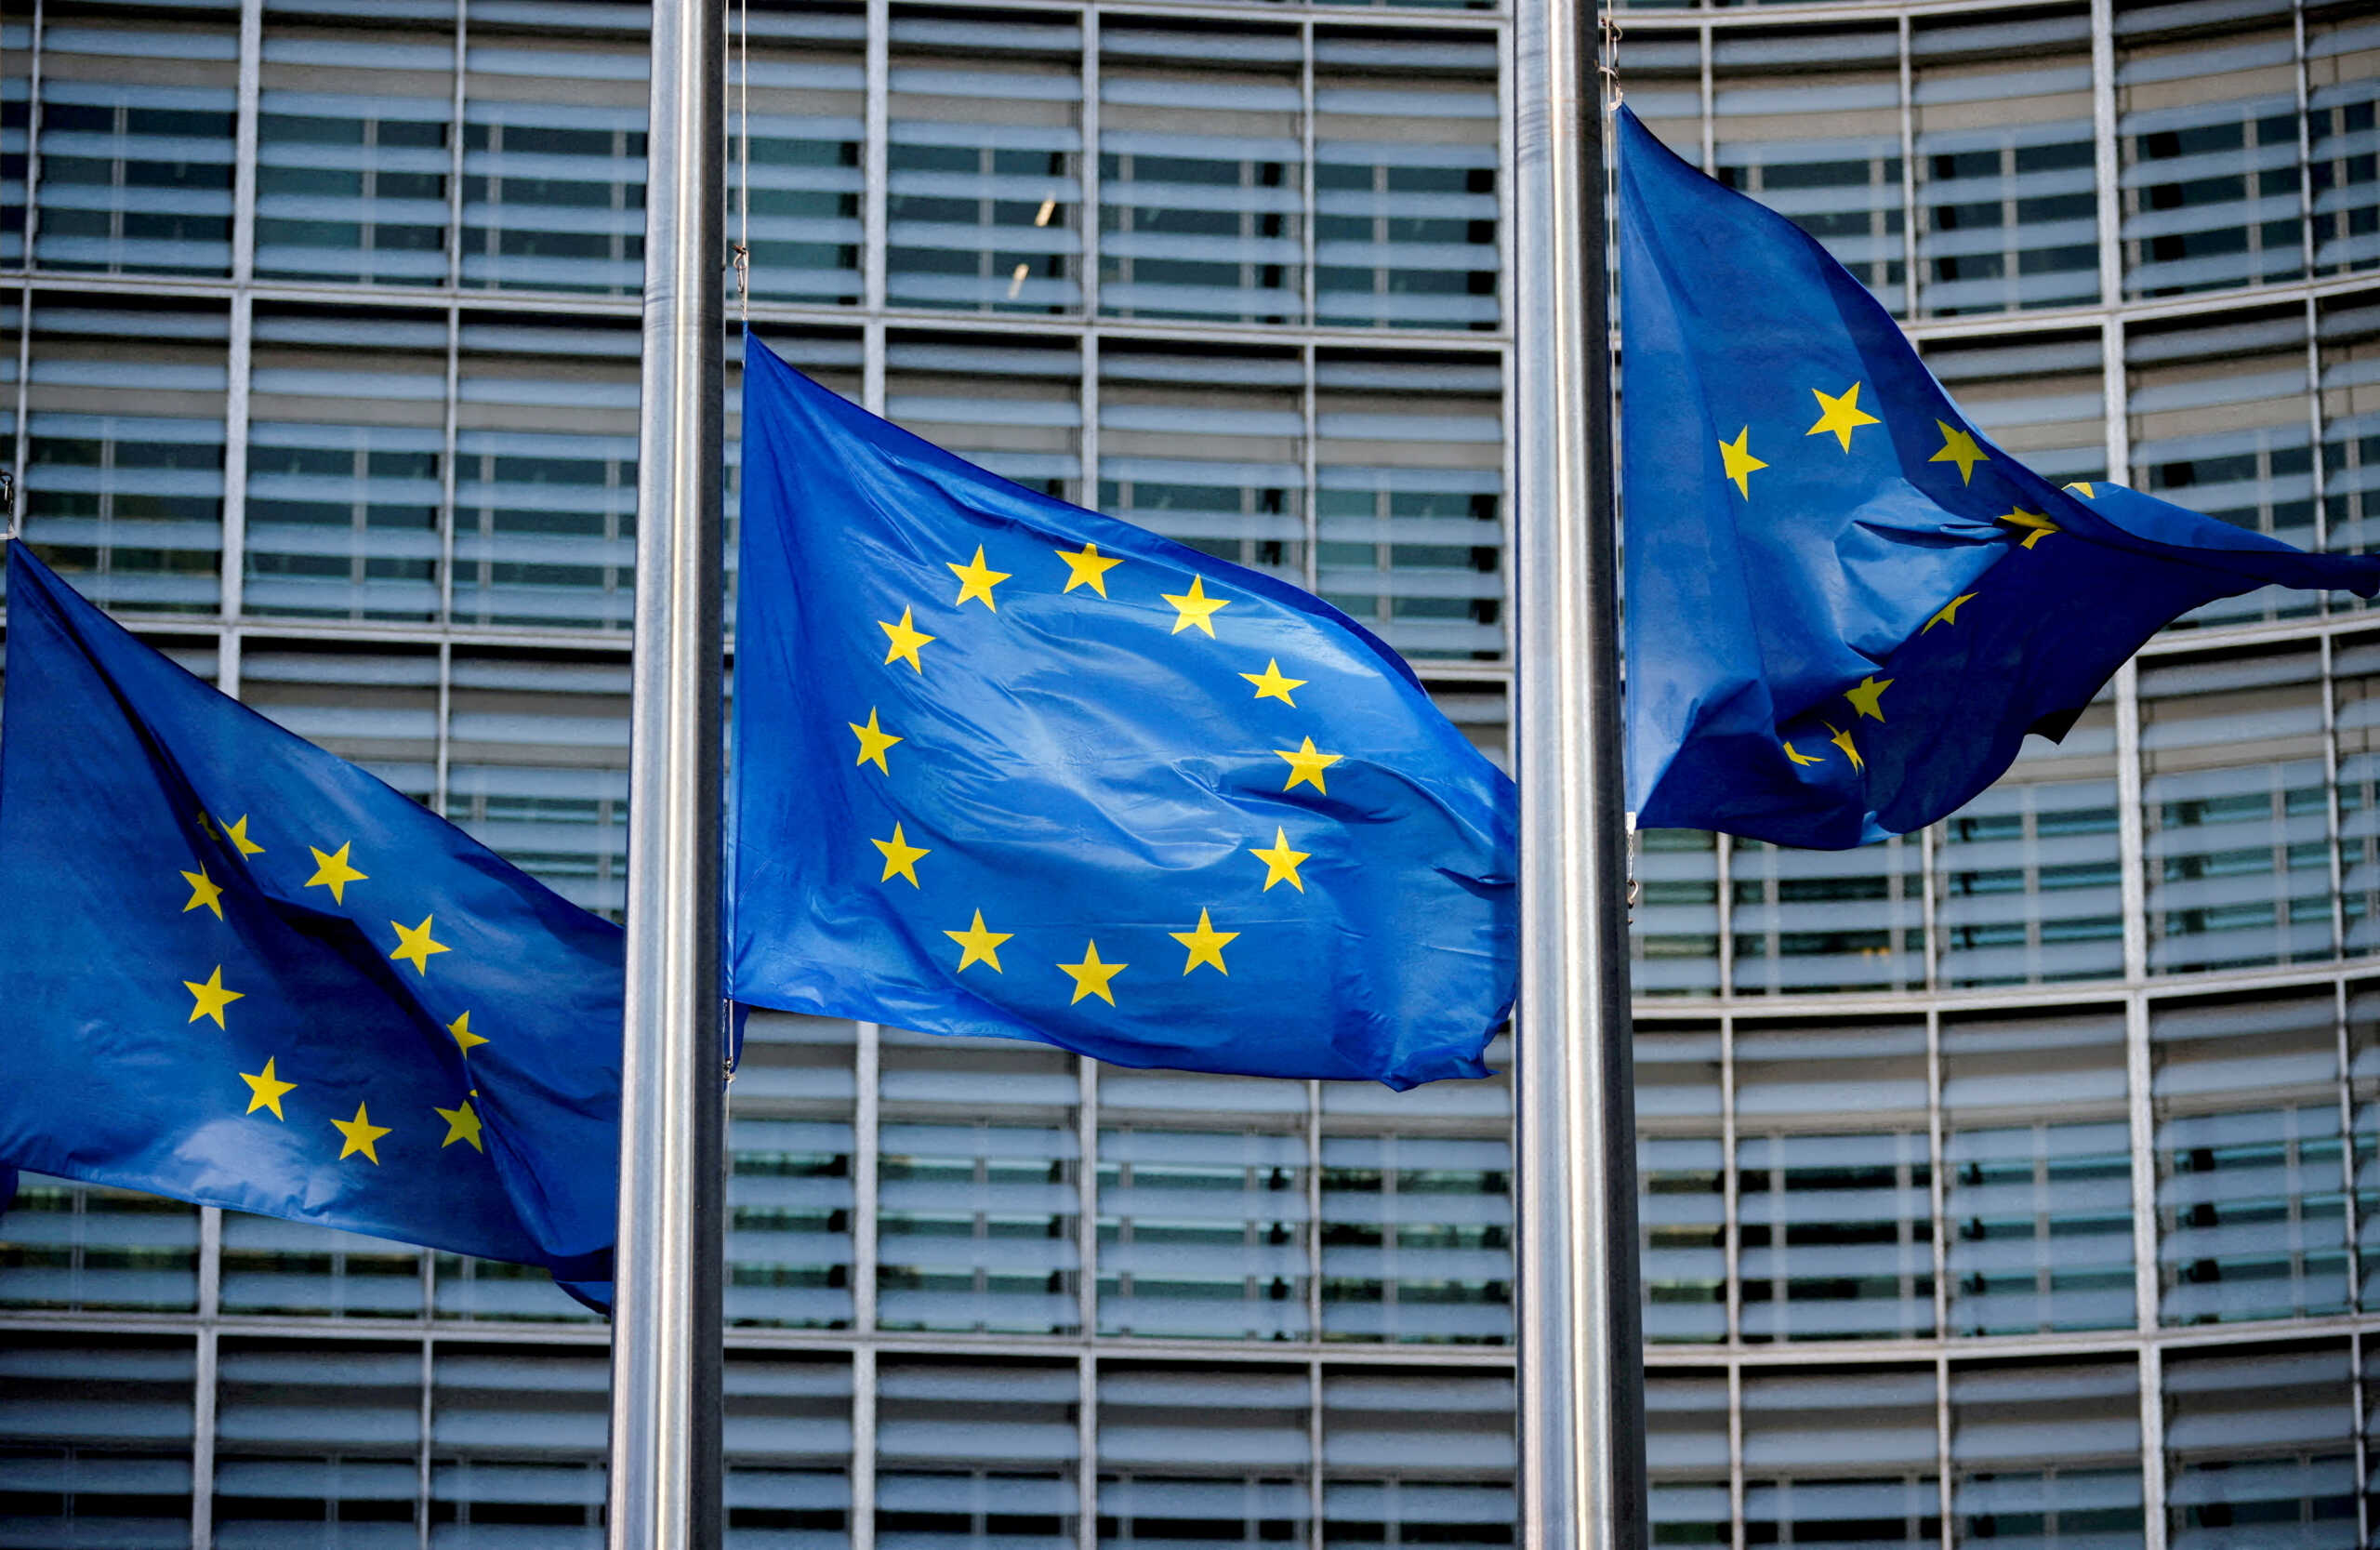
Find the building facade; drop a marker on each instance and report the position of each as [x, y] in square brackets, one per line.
[2005, 1184]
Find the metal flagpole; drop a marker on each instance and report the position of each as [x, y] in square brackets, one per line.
[665, 1481]
[1582, 1343]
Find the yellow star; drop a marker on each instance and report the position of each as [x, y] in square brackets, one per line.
[205, 893]
[1949, 613]
[1206, 944]
[1866, 696]
[873, 741]
[461, 1125]
[415, 946]
[211, 997]
[1088, 568]
[979, 946]
[1091, 976]
[238, 834]
[900, 857]
[1195, 607]
[1741, 464]
[1843, 741]
[1307, 766]
[1841, 416]
[976, 580]
[465, 1040]
[1959, 447]
[361, 1133]
[266, 1091]
[2084, 490]
[1798, 757]
[904, 639]
[334, 873]
[1280, 862]
[1270, 684]
[2038, 521]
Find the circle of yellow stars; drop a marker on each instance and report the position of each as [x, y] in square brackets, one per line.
[1840, 416]
[1193, 609]
[334, 871]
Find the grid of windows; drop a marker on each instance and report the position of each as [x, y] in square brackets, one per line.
[1977, 1168]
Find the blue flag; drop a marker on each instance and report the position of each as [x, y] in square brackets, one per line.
[1007, 767]
[1846, 606]
[239, 971]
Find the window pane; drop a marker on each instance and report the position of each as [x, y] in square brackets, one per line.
[1812, 920]
[2342, 85]
[136, 147]
[1209, 448]
[1247, 1424]
[354, 155]
[516, 1447]
[98, 1431]
[302, 1441]
[553, 166]
[2260, 1449]
[978, 1455]
[1417, 1238]
[1838, 1456]
[2047, 1455]
[807, 84]
[1417, 1458]
[790, 1195]
[1837, 1236]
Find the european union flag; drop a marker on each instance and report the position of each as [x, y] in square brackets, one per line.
[1004, 766]
[239, 971]
[1846, 606]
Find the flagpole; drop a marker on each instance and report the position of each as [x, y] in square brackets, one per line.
[1580, 1337]
[665, 1479]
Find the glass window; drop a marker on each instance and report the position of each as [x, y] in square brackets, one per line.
[789, 1210]
[1405, 189]
[2238, 813]
[1417, 1238]
[347, 457]
[1201, 175]
[545, 473]
[16, 119]
[2343, 88]
[2355, 674]
[2259, 1448]
[375, 707]
[2363, 1087]
[2251, 1189]
[1822, 150]
[2046, 1454]
[1417, 1458]
[302, 1440]
[553, 166]
[128, 506]
[978, 1455]
[136, 125]
[1014, 408]
[1246, 1427]
[1686, 1456]
[517, 1445]
[1673, 941]
[99, 1430]
[271, 1265]
[2350, 331]
[788, 1441]
[809, 87]
[2038, 1204]
[65, 1245]
[2008, 198]
[978, 1187]
[2208, 137]
[1837, 1236]
[2219, 424]
[984, 193]
[1817, 920]
[354, 155]
[2029, 878]
[1208, 447]
[1842, 1455]
[1408, 501]
[536, 749]
[1203, 1211]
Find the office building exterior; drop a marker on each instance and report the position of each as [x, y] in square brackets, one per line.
[2004, 1184]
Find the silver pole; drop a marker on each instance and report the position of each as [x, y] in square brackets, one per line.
[1581, 1368]
[666, 1482]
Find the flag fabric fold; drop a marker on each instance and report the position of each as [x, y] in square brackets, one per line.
[243, 972]
[1006, 767]
[1847, 605]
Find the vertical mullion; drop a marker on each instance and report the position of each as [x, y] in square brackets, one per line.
[1305, 176]
[1736, 1537]
[1087, 1199]
[867, 1056]
[20, 435]
[1907, 180]
[2107, 164]
[1722, 862]
[2153, 1446]
[1312, 1234]
[1936, 1188]
[201, 1450]
[877, 155]
[232, 563]
[872, 365]
[1949, 1531]
[450, 431]
[244, 163]
[862, 1474]
[1314, 1447]
[1087, 168]
[1710, 107]
[1731, 1195]
[1087, 1443]
[2304, 156]
[2138, 1077]
[455, 157]
[1309, 456]
[33, 179]
[421, 1488]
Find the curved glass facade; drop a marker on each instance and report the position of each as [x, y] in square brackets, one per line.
[2005, 1184]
